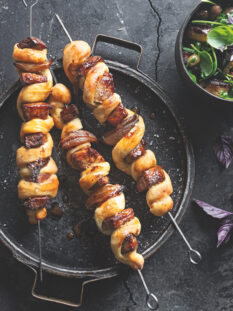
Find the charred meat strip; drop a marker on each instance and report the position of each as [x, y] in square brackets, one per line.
[27, 78]
[77, 138]
[85, 66]
[118, 220]
[113, 136]
[35, 110]
[136, 153]
[152, 176]
[83, 158]
[105, 87]
[36, 166]
[117, 115]
[34, 140]
[41, 178]
[32, 43]
[36, 203]
[130, 244]
[102, 181]
[102, 195]
[33, 68]
[69, 113]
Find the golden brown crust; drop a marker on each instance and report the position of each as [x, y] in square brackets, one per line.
[37, 168]
[107, 200]
[100, 101]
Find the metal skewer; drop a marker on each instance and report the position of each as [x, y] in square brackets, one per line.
[194, 256]
[39, 232]
[151, 299]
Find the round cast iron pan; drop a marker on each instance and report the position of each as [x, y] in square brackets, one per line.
[90, 254]
[196, 88]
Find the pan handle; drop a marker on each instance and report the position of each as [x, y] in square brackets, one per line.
[125, 44]
[84, 281]
[69, 303]
[120, 42]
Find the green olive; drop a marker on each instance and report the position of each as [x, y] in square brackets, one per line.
[193, 60]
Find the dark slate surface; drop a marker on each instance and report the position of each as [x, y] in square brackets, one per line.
[179, 285]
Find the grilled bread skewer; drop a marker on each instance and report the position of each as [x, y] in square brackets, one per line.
[38, 170]
[129, 154]
[107, 200]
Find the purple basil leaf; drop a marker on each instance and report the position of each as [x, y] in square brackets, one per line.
[211, 210]
[224, 232]
[230, 20]
[224, 150]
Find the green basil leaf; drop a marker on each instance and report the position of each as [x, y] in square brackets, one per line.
[220, 37]
[206, 64]
[188, 50]
[208, 1]
[215, 63]
[194, 78]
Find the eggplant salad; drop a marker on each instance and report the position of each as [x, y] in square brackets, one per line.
[208, 49]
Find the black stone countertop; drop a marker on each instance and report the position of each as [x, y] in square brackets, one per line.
[154, 24]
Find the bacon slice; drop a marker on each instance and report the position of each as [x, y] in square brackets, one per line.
[34, 140]
[102, 181]
[41, 178]
[32, 43]
[77, 138]
[152, 176]
[117, 115]
[113, 136]
[136, 153]
[130, 244]
[27, 78]
[33, 68]
[105, 88]
[83, 158]
[36, 166]
[69, 113]
[102, 195]
[36, 203]
[85, 66]
[35, 110]
[118, 220]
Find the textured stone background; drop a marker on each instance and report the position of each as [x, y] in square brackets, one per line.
[154, 24]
